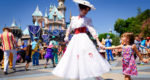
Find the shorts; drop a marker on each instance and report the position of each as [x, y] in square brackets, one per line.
[143, 50]
[28, 59]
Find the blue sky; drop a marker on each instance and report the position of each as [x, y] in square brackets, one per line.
[104, 17]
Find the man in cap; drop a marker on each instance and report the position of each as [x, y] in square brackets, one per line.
[35, 53]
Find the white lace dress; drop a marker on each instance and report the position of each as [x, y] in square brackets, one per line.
[81, 59]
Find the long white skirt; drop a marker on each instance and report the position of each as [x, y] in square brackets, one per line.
[81, 60]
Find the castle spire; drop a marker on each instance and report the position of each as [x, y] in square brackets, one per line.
[37, 12]
[70, 15]
[61, 7]
[13, 23]
[46, 15]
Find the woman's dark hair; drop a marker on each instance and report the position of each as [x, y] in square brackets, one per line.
[81, 6]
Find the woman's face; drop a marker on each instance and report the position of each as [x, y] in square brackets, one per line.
[83, 12]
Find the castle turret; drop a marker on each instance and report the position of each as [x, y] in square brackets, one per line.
[17, 32]
[14, 23]
[50, 8]
[61, 7]
[46, 21]
[37, 15]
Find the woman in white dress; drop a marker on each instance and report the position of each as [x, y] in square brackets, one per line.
[81, 59]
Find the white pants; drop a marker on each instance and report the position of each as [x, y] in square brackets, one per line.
[6, 58]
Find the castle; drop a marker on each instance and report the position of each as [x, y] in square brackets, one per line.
[52, 21]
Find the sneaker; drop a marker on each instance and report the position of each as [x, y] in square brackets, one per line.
[37, 65]
[26, 69]
[45, 66]
[33, 65]
[14, 69]
[141, 63]
[5, 72]
[54, 66]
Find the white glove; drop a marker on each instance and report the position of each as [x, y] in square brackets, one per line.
[66, 39]
[100, 45]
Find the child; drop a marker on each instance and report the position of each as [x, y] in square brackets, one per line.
[128, 62]
[55, 54]
[143, 47]
[49, 55]
[28, 55]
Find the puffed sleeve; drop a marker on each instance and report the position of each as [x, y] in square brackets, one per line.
[111, 40]
[69, 29]
[91, 29]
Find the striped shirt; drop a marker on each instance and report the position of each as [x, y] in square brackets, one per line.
[8, 41]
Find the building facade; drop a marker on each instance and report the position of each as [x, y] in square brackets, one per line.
[53, 19]
[52, 23]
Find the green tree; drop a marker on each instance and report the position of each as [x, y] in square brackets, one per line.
[146, 31]
[104, 35]
[120, 26]
[132, 24]
[143, 16]
[115, 38]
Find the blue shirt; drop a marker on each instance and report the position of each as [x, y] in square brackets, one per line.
[23, 46]
[108, 42]
[33, 44]
[143, 43]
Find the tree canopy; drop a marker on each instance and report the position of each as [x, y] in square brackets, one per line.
[133, 24]
[115, 38]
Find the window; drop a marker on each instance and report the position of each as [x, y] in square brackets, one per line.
[45, 31]
[55, 18]
[55, 27]
[50, 27]
[60, 27]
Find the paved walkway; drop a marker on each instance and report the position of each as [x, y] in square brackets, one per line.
[40, 73]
